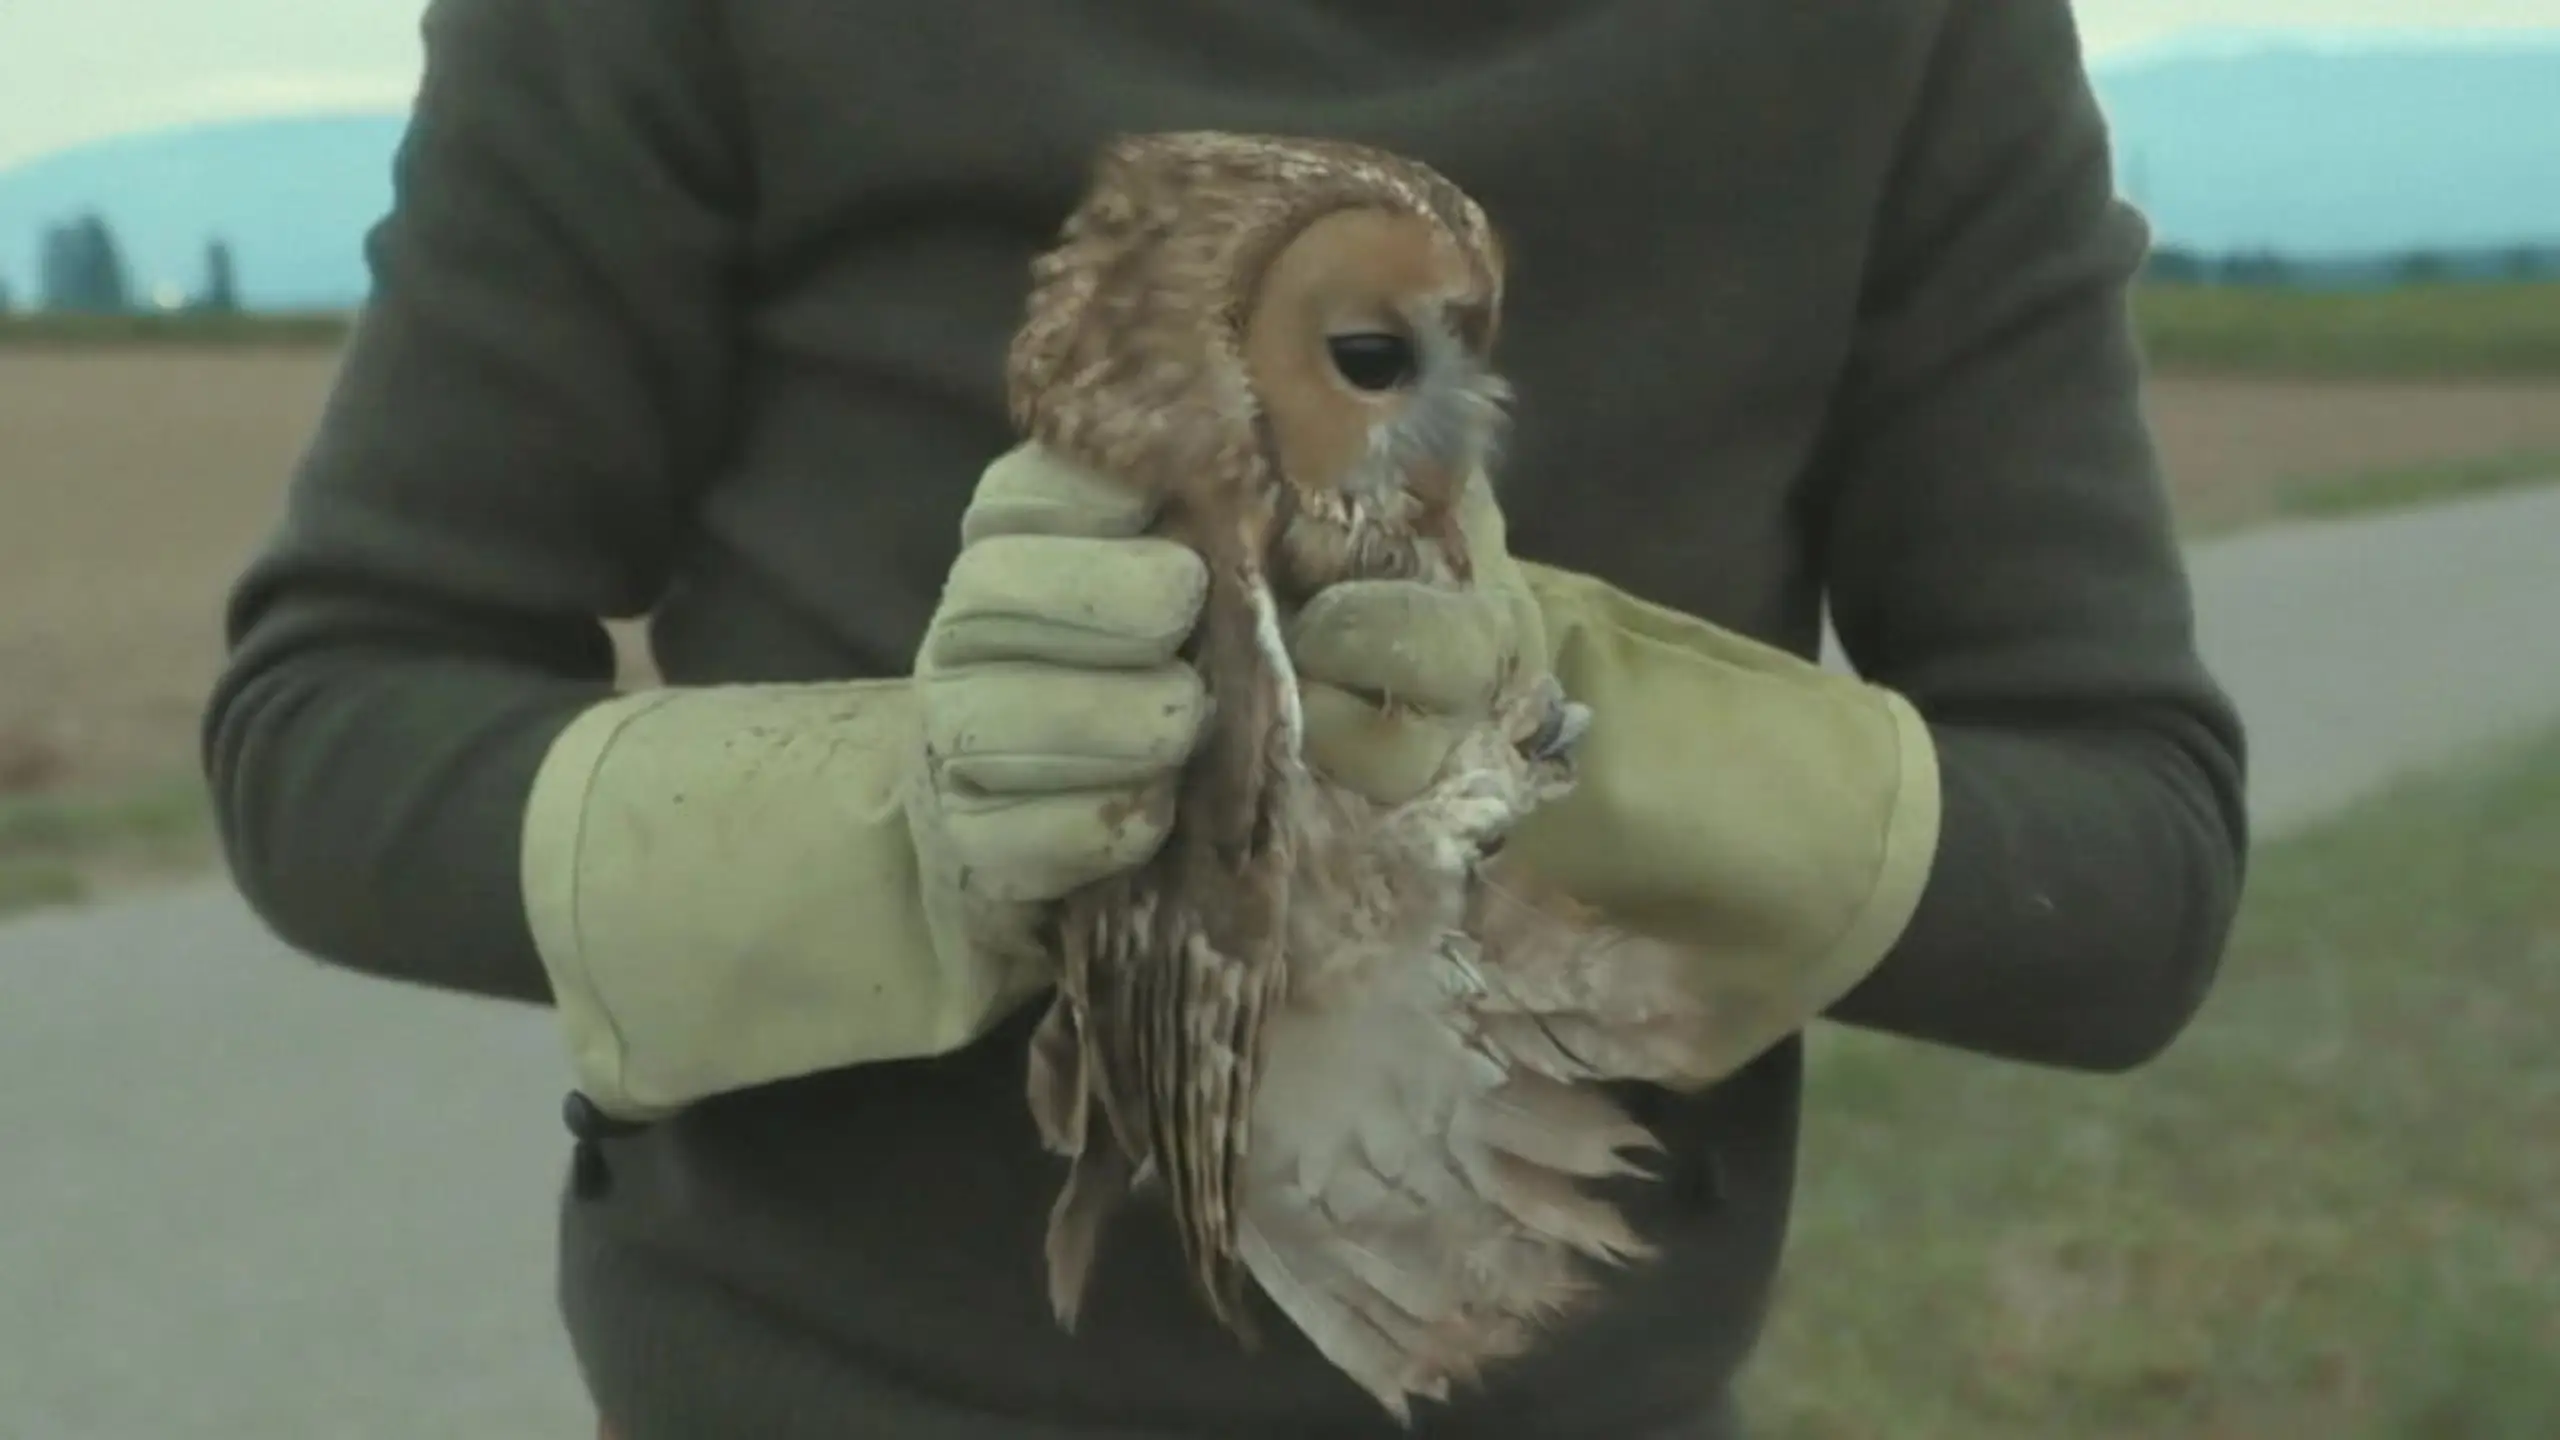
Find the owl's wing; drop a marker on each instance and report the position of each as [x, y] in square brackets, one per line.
[1146, 1060]
[1417, 1206]
[1171, 969]
[1196, 1015]
[1428, 1133]
[1574, 998]
[1214, 965]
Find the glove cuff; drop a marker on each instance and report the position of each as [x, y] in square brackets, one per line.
[1776, 817]
[1907, 847]
[722, 887]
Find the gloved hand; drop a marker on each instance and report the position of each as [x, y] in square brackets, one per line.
[1392, 672]
[731, 885]
[1776, 818]
[1056, 714]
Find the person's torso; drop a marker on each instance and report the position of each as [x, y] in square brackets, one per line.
[1685, 191]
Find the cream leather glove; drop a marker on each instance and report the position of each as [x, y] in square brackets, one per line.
[1777, 818]
[732, 885]
[1391, 671]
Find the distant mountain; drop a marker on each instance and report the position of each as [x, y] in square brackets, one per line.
[2309, 143]
[2316, 147]
[294, 196]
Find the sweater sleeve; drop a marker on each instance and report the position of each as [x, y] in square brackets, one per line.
[526, 404]
[1998, 548]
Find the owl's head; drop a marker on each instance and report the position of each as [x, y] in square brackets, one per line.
[1299, 331]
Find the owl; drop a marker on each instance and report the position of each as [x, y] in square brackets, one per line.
[1355, 1054]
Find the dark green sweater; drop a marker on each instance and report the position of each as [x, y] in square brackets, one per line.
[697, 308]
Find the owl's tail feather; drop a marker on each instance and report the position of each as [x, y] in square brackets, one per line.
[1099, 1175]
[1097, 1181]
[1057, 1084]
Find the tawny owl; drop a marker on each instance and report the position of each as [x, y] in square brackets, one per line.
[1355, 1053]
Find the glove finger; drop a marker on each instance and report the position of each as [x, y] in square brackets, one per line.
[1480, 518]
[1030, 490]
[1430, 647]
[1042, 847]
[1022, 730]
[1529, 626]
[1498, 572]
[1066, 600]
[1388, 755]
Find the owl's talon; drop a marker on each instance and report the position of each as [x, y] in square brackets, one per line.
[1566, 723]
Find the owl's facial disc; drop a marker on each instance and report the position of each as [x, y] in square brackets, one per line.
[1367, 346]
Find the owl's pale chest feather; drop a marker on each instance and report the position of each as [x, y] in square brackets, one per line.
[1354, 1052]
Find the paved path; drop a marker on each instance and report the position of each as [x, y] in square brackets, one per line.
[246, 1198]
[243, 1197]
[2361, 650]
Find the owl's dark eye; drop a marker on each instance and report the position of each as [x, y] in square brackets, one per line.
[1373, 360]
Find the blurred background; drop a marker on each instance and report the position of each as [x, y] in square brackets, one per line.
[243, 1196]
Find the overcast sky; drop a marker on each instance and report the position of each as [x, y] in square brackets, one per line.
[74, 70]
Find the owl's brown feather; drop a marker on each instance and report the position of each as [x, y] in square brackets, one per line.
[1169, 970]
[1353, 1049]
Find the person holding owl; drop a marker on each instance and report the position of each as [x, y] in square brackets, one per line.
[697, 311]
